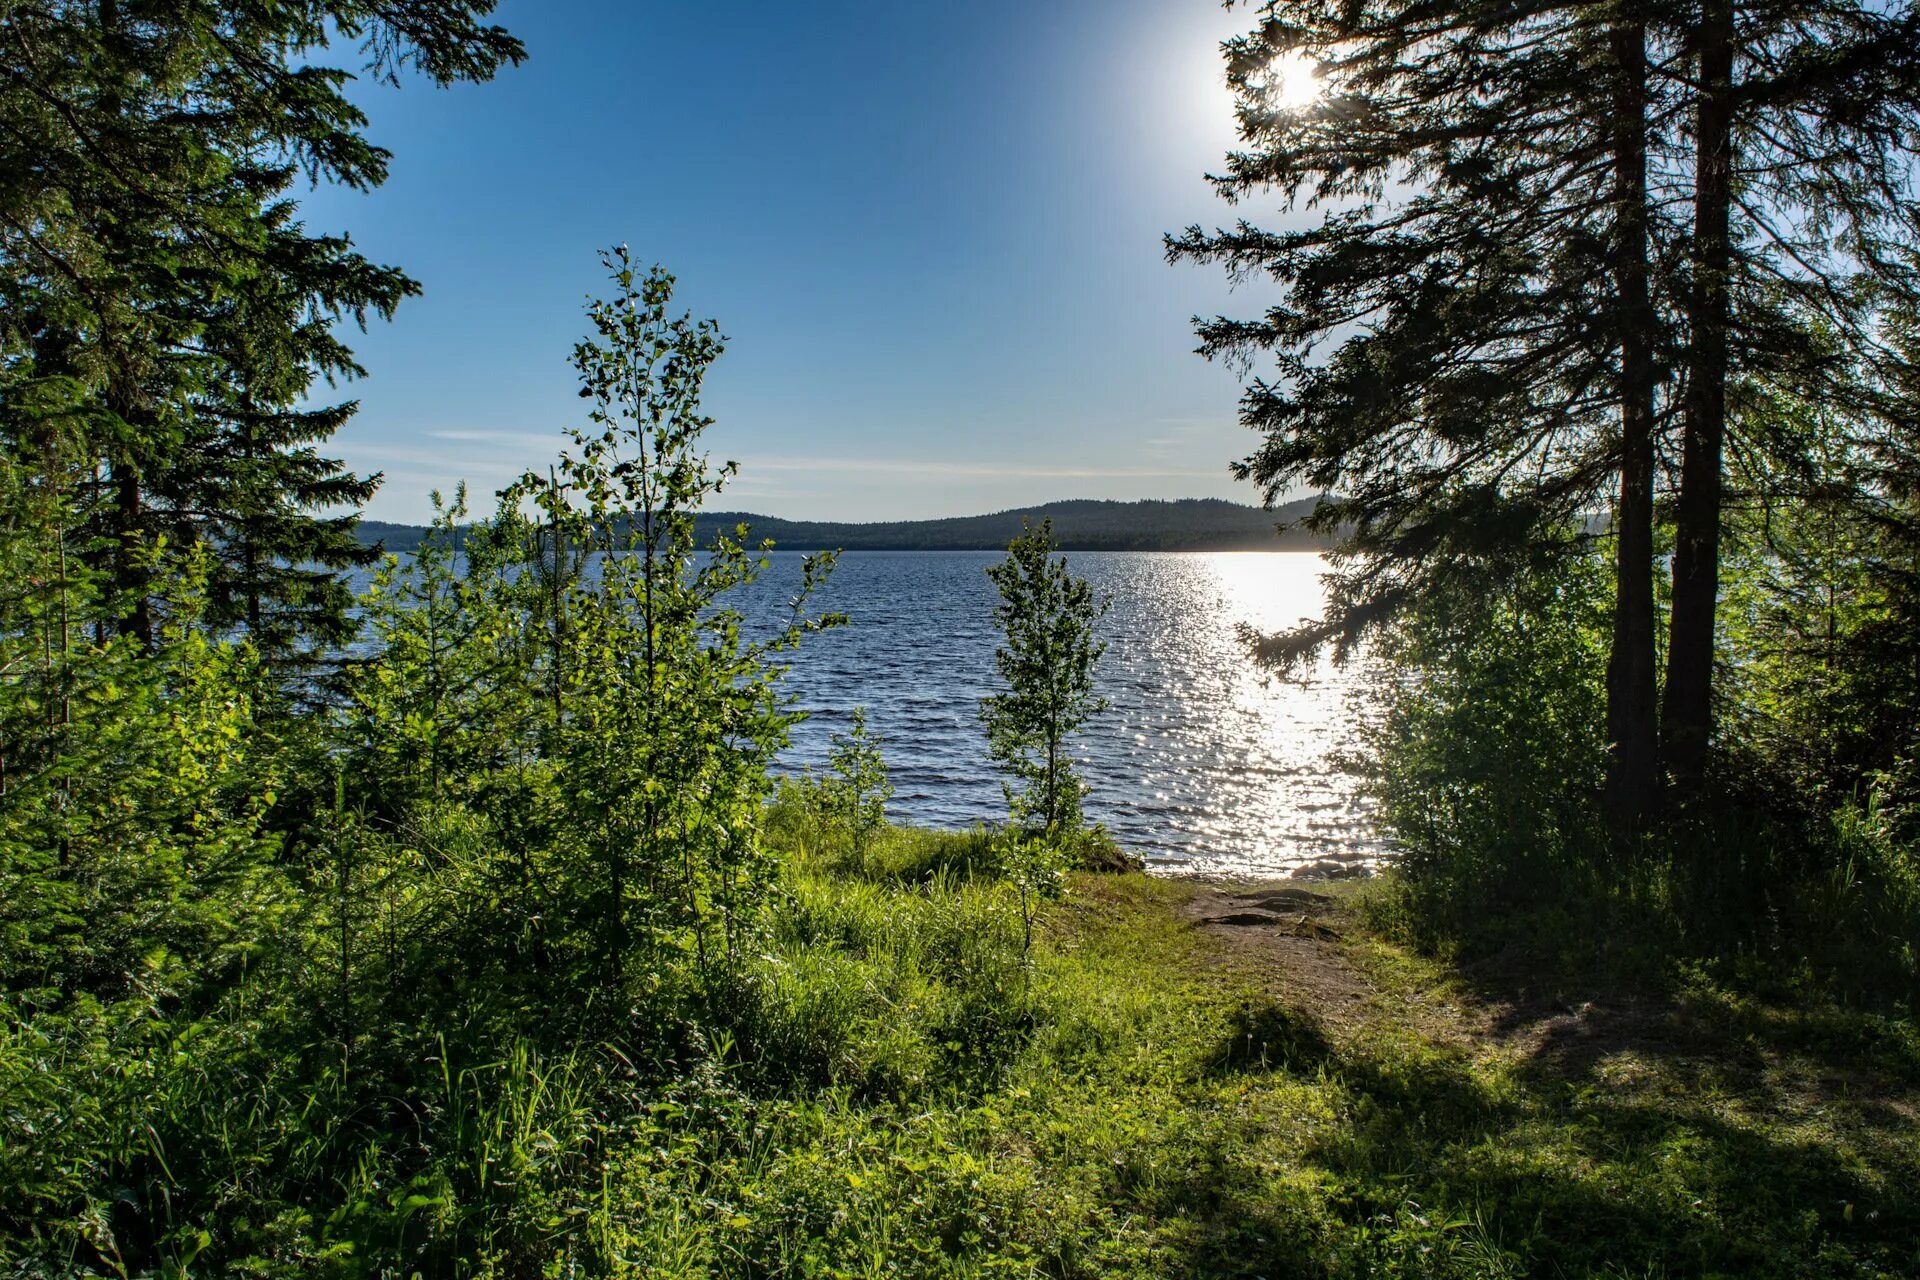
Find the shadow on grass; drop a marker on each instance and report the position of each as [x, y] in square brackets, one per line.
[1639, 1138]
[1266, 1036]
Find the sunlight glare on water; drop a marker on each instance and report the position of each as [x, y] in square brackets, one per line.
[1202, 764]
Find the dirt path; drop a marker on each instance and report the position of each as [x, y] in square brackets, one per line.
[1303, 946]
[1292, 942]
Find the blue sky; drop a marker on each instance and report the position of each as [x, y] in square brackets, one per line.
[931, 233]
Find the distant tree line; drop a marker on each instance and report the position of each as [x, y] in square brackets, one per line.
[1190, 524]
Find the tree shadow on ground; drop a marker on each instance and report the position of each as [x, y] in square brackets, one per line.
[1264, 1035]
[1552, 1134]
[1434, 1169]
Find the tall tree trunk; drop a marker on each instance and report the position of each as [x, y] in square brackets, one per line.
[1631, 697]
[1688, 715]
[249, 525]
[130, 577]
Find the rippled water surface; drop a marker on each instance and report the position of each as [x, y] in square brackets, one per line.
[1200, 764]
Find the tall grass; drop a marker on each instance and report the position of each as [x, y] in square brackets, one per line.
[895, 1086]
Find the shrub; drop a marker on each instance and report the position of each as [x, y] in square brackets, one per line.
[1488, 749]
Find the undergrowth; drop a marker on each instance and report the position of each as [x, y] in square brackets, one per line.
[896, 1087]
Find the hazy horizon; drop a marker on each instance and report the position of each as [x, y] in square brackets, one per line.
[480, 505]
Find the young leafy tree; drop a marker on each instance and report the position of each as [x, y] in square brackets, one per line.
[672, 715]
[444, 706]
[1484, 771]
[858, 792]
[1036, 866]
[1047, 663]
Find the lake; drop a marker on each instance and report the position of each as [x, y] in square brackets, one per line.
[1201, 764]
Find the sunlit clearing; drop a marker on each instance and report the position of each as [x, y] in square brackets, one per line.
[1291, 81]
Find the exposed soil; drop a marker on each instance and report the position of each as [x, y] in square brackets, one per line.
[1294, 942]
[1291, 942]
[1302, 946]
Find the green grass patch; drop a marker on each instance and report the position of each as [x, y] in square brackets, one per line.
[895, 1087]
[1130, 1108]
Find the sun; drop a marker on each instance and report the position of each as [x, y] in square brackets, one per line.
[1290, 82]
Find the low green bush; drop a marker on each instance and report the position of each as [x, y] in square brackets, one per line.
[1488, 757]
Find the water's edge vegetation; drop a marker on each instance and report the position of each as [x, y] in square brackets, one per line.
[462, 929]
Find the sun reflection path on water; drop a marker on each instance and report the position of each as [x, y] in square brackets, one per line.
[1202, 764]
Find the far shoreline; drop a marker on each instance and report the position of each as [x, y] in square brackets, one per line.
[1211, 525]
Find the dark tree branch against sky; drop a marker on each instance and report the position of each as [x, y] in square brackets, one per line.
[1449, 353]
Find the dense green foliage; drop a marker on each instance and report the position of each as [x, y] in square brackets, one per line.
[258, 963]
[1802, 874]
[891, 1088]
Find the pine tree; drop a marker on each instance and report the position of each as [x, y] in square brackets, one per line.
[1633, 776]
[1554, 240]
[1480, 277]
[146, 226]
[1805, 140]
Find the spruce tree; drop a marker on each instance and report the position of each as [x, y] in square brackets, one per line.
[145, 223]
[249, 477]
[1468, 345]
[672, 710]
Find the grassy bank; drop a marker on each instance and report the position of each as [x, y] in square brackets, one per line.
[1162, 1094]
[1178, 1079]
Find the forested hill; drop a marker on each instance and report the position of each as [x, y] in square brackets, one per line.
[1188, 524]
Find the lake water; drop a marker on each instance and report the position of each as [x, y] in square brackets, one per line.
[1200, 765]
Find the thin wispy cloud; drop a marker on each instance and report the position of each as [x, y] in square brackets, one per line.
[752, 464]
[937, 468]
[468, 435]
